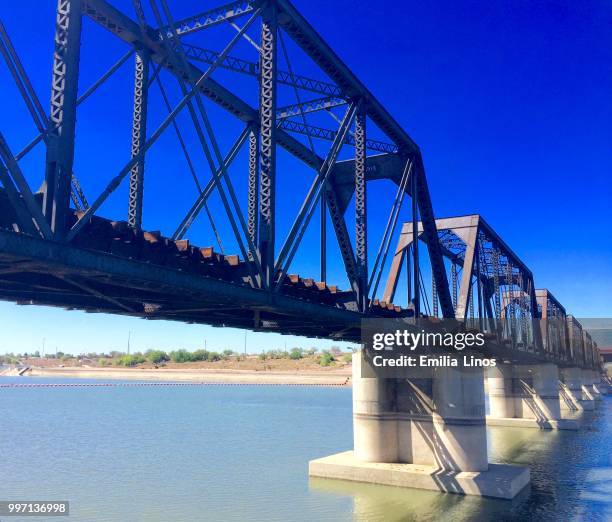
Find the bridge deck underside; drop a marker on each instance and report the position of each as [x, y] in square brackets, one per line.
[35, 271]
[42, 272]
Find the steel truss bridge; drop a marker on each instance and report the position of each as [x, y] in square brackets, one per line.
[58, 249]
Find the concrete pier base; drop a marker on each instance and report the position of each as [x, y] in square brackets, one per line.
[526, 397]
[592, 381]
[575, 388]
[561, 424]
[426, 432]
[499, 481]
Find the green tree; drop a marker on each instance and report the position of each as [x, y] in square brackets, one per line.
[326, 358]
[157, 356]
[181, 356]
[130, 360]
[200, 355]
[295, 353]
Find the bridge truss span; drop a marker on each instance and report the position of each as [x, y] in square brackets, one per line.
[338, 135]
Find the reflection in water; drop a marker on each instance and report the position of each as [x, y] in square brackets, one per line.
[385, 503]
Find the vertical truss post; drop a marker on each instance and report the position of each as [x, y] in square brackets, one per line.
[62, 119]
[415, 243]
[267, 125]
[465, 287]
[139, 137]
[361, 247]
[253, 198]
[323, 204]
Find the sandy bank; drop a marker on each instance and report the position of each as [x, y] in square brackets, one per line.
[196, 375]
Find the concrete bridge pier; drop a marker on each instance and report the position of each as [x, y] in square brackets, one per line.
[441, 419]
[593, 384]
[605, 386]
[576, 391]
[427, 432]
[526, 397]
[375, 426]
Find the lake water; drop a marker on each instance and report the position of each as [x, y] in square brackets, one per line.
[242, 452]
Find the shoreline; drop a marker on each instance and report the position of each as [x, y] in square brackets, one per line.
[198, 375]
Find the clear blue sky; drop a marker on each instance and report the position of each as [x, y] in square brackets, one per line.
[509, 102]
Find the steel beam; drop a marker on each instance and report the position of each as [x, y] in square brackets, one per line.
[139, 137]
[24, 219]
[329, 135]
[18, 179]
[385, 244]
[361, 236]
[323, 236]
[64, 93]
[416, 271]
[253, 194]
[342, 235]
[239, 65]
[309, 106]
[431, 238]
[218, 15]
[267, 145]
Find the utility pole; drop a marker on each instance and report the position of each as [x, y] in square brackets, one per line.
[128, 343]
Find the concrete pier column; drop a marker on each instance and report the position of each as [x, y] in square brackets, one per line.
[588, 390]
[459, 418]
[545, 383]
[415, 419]
[600, 385]
[374, 419]
[528, 396]
[500, 383]
[441, 419]
[572, 378]
[594, 385]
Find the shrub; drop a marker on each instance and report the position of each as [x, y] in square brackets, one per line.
[181, 356]
[213, 356]
[200, 355]
[263, 356]
[157, 356]
[103, 362]
[326, 358]
[347, 358]
[130, 360]
[295, 354]
[228, 353]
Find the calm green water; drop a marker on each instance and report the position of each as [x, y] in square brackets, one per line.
[241, 453]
